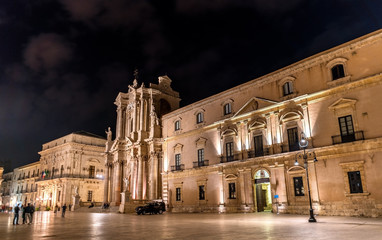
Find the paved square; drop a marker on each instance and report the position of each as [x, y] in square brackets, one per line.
[82, 225]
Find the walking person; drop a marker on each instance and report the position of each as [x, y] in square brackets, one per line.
[32, 212]
[55, 209]
[23, 214]
[63, 210]
[27, 211]
[16, 217]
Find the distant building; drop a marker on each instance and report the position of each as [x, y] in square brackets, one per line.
[238, 151]
[19, 186]
[71, 165]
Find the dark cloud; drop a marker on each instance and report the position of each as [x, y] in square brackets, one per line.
[47, 51]
[83, 10]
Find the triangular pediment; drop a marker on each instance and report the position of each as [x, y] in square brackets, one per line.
[343, 103]
[253, 104]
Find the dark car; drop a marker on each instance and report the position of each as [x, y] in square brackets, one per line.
[151, 208]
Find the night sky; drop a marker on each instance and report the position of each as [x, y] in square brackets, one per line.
[63, 62]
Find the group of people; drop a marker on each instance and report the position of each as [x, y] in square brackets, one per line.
[63, 208]
[27, 214]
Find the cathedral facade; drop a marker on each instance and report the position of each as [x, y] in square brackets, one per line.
[241, 150]
[134, 158]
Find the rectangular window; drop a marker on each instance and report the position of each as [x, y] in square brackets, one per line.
[90, 196]
[298, 186]
[177, 159]
[346, 128]
[287, 88]
[178, 194]
[200, 156]
[355, 182]
[229, 148]
[232, 190]
[177, 125]
[201, 193]
[199, 118]
[227, 109]
[258, 142]
[91, 171]
[293, 139]
[59, 196]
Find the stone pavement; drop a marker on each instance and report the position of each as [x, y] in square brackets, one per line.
[82, 225]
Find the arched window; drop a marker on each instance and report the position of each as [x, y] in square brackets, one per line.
[287, 88]
[338, 72]
[199, 117]
[227, 108]
[177, 125]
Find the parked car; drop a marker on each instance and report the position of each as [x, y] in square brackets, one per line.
[154, 207]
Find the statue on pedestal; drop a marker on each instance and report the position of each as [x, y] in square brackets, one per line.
[108, 134]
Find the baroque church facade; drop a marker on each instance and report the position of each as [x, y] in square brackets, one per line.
[238, 151]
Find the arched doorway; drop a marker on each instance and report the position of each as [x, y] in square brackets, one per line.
[262, 191]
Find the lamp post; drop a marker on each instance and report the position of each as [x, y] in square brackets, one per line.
[303, 143]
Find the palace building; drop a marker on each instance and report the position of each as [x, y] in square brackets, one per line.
[239, 151]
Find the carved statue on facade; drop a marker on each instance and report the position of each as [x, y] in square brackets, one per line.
[108, 134]
[154, 117]
[126, 181]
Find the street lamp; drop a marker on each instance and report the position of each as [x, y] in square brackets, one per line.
[305, 155]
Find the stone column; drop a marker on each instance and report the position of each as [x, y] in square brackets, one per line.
[242, 189]
[306, 128]
[119, 122]
[106, 184]
[141, 122]
[117, 182]
[135, 117]
[269, 130]
[140, 177]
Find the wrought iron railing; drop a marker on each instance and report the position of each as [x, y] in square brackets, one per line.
[177, 167]
[67, 176]
[232, 158]
[253, 153]
[201, 163]
[357, 136]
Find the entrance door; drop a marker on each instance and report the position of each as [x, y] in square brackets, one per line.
[262, 191]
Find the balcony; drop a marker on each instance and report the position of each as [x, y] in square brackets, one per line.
[201, 163]
[290, 147]
[357, 136]
[253, 153]
[232, 158]
[177, 167]
[83, 176]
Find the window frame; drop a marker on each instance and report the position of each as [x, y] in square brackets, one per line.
[232, 190]
[202, 192]
[177, 125]
[287, 88]
[340, 70]
[227, 109]
[178, 194]
[199, 117]
[355, 190]
[298, 186]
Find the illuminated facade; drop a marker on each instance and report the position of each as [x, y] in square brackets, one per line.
[133, 158]
[71, 166]
[236, 151]
[19, 186]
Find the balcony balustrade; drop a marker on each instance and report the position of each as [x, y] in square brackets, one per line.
[201, 163]
[232, 158]
[253, 153]
[177, 167]
[85, 175]
[357, 136]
